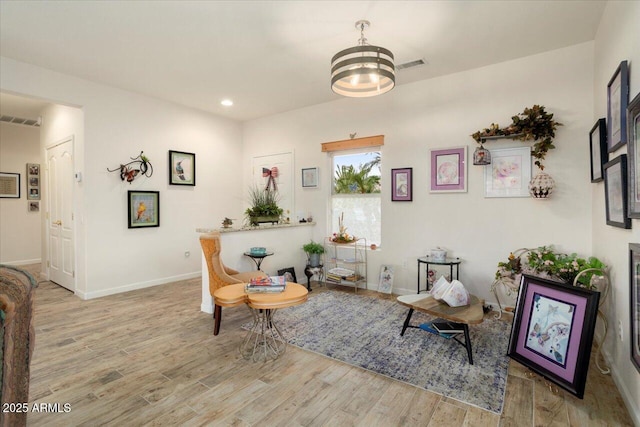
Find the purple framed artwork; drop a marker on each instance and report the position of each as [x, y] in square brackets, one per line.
[402, 185]
[449, 170]
[617, 101]
[552, 331]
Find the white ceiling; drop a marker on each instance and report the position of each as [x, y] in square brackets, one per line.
[274, 56]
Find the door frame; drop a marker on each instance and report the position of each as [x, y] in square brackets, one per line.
[46, 195]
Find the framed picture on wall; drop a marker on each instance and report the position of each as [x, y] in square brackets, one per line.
[309, 177]
[449, 170]
[615, 192]
[634, 297]
[34, 206]
[509, 173]
[143, 209]
[617, 100]
[598, 148]
[633, 153]
[33, 181]
[182, 168]
[9, 185]
[552, 331]
[402, 185]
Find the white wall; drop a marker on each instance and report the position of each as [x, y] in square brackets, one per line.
[117, 126]
[443, 112]
[19, 228]
[618, 39]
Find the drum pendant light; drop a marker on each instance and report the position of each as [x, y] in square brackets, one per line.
[363, 70]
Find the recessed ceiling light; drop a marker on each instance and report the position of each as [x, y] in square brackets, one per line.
[226, 102]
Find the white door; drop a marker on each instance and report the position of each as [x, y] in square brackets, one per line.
[60, 214]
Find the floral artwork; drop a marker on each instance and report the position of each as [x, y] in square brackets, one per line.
[506, 173]
[509, 173]
[182, 168]
[549, 328]
[449, 170]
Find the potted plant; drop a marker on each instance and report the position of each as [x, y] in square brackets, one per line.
[313, 250]
[264, 206]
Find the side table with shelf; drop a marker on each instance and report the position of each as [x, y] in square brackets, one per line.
[427, 260]
[346, 263]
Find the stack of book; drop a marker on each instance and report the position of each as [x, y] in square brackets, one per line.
[442, 327]
[338, 274]
[266, 285]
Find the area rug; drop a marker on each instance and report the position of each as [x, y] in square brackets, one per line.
[365, 331]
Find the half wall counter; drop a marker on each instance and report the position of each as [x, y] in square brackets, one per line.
[284, 240]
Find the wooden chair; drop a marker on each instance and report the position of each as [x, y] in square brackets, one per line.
[220, 275]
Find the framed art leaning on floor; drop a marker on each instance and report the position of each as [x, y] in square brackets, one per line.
[552, 331]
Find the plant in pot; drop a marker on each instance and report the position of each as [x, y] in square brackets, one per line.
[264, 206]
[313, 250]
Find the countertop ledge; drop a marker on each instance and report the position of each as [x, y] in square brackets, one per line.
[259, 228]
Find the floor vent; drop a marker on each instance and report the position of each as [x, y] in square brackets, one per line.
[410, 64]
[20, 121]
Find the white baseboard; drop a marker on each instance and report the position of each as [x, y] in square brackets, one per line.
[138, 285]
[22, 262]
[632, 406]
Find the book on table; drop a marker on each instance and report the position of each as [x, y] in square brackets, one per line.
[266, 284]
[428, 326]
[446, 327]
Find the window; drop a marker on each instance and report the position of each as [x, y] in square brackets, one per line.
[356, 193]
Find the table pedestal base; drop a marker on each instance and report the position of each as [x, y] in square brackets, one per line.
[263, 341]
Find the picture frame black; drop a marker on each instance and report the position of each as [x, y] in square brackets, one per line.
[634, 299]
[598, 150]
[617, 101]
[552, 331]
[633, 153]
[9, 185]
[182, 168]
[402, 185]
[288, 271]
[143, 209]
[615, 191]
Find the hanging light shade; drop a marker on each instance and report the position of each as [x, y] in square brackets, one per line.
[363, 70]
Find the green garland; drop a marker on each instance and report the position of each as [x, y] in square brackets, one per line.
[532, 124]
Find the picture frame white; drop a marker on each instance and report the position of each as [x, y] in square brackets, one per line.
[310, 177]
[448, 170]
[386, 279]
[509, 173]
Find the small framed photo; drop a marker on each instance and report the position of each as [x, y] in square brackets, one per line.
[9, 185]
[449, 170]
[509, 173]
[34, 206]
[33, 169]
[182, 168]
[289, 274]
[598, 146]
[552, 331]
[386, 279]
[402, 185]
[617, 100]
[615, 192]
[143, 209]
[633, 152]
[634, 297]
[309, 177]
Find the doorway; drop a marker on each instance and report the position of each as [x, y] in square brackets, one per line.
[60, 220]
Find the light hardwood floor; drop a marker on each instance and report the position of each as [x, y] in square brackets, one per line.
[148, 357]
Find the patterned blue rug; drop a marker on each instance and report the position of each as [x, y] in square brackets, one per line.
[365, 332]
